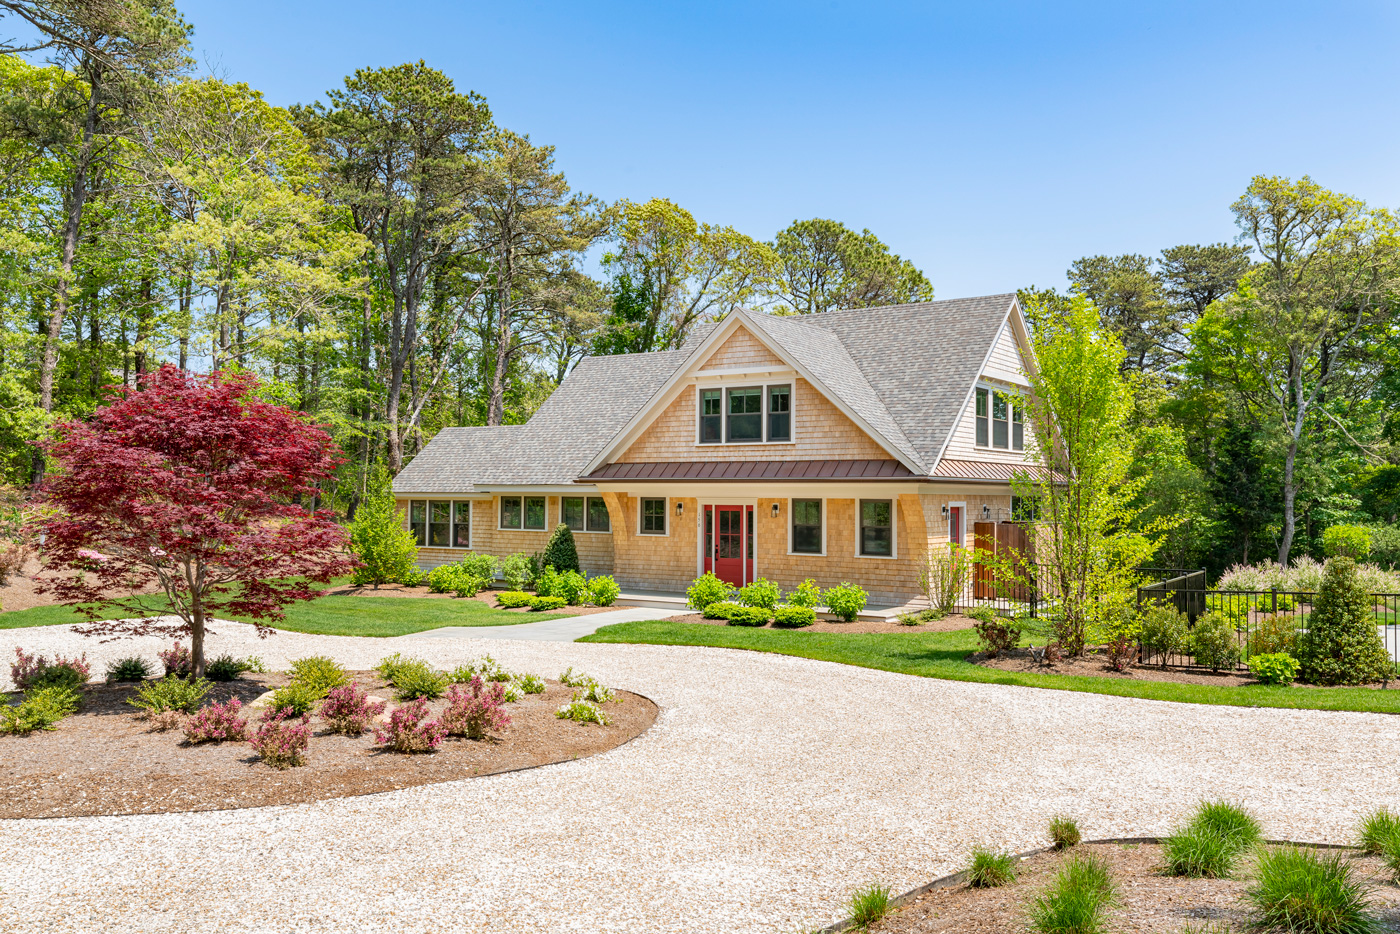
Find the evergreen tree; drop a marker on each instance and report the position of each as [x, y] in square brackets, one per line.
[560, 553]
[1342, 644]
[378, 536]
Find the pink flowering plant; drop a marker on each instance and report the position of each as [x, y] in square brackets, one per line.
[348, 709]
[176, 659]
[282, 739]
[410, 730]
[217, 723]
[475, 711]
[28, 671]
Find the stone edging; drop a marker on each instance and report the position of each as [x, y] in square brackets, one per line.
[960, 878]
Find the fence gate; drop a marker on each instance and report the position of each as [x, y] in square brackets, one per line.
[1008, 540]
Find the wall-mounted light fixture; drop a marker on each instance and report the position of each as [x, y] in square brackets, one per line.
[945, 510]
[776, 510]
[986, 511]
[680, 507]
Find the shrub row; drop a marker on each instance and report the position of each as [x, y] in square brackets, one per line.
[845, 600]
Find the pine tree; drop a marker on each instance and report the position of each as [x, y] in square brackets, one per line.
[378, 536]
[560, 553]
[1342, 644]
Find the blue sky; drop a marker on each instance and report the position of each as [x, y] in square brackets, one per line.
[991, 143]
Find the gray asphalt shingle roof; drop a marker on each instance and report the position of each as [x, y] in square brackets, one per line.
[905, 370]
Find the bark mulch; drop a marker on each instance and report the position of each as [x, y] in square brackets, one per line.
[946, 624]
[1150, 901]
[103, 760]
[487, 597]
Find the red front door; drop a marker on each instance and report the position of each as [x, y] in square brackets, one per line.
[729, 544]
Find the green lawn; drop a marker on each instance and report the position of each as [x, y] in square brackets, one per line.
[941, 654]
[340, 616]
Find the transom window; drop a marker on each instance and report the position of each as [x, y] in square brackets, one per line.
[807, 526]
[440, 523]
[746, 415]
[522, 512]
[1000, 421]
[585, 514]
[877, 527]
[653, 516]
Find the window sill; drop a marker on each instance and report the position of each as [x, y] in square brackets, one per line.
[591, 531]
[500, 528]
[879, 557]
[806, 554]
[739, 444]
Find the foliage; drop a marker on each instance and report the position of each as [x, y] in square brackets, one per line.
[1064, 832]
[378, 537]
[468, 587]
[997, 635]
[347, 709]
[530, 684]
[513, 599]
[297, 699]
[1273, 634]
[846, 600]
[548, 603]
[1298, 890]
[571, 587]
[414, 682]
[217, 723]
[1378, 832]
[515, 571]
[178, 660]
[1211, 845]
[707, 589]
[1304, 575]
[583, 712]
[227, 668]
[749, 616]
[131, 668]
[409, 729]
[1347, 541]
[790, 616]
[486, 666]
[806, 594]
[37, 671]
[561, 553]
[282, 739]
[452, 578]
[594, 692]
[1341, 644]
[570, 678]
[760, 593]
[1273, 668]
[990, 869]
[191, 486]
[169, 693]
[476, 711]
[1119, 635]
[482, 567]
[40, 709]
[389, 666]
[824, 265]
[320, 673]
[1213, 642]
[1075, 902]
[869, 905]
[719, 610]
[943, 575]
[603, 590]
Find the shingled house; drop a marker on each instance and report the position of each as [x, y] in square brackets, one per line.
[836, 446]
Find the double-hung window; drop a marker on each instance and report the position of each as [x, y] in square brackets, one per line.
[1000, 421]
[440, 523]
[653, 516]
[522, 512]
[711, 416]
[807, 526]
[746, 415]
[584, 513]
[876, 528]
[779, 413]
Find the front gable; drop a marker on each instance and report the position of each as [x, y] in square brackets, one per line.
[1004, 370]
[741, 350]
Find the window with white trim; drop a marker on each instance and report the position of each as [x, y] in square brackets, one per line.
[440, 523]
[653, 516]
[1000, 420]
[746, 414]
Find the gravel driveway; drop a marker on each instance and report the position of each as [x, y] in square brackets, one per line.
[768, 789]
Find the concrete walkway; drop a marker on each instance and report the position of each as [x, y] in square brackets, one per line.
[548, 630]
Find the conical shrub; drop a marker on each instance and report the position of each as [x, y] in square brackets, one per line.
[1341, 643]
[560, 553]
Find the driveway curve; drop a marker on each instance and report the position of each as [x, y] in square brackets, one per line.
[769, 788]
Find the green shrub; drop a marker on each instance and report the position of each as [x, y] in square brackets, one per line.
[749, 616]
[806, 594]
[1274, 668]
[169, 693]
[40, 709]
[1347, 541]
[1064, 832]
[1213, 642]
[297, 699]
[482, 567]
[469, 586]
[447, 578]
[57, 676]
[909, 619]
[1298, 890]
[999, 635]
[319, 673]
[707, 589]
[1379, 831]
[1162, 631]
[869, 905]
[982, 614]
[572, 587]
[378, 536]
[1342, 644]
[603, 590]
[1275, 633]
[530, 684]
[720, 610]
[1075, 902]
[1200, 852]
[581, 711]
[846, 600]
[390, 666]
[226, 668]
[547, 582]
[561, 553]
[132, 668]
[413, 577]
[789, 616]
[1385, 545]
[548, 603]
[943, 575]
[415, 681]
[515, 571]
[990, 869]
[512, 599]
[760, 593]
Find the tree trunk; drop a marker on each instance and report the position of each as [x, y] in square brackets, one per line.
[143, 328]
[1290, 495]
[496, 408]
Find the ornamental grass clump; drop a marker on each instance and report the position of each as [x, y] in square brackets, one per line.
[1064, 832]
[475, 711]
[1211, 845]
[990, 869]
[217, 723]
[347, 709]
[409, 729]
[1378, 832]
[869, 905]
[1300, 891]
[318, 673]
[1075, 902]
[132, 668]
[281, 740]
[171, 693]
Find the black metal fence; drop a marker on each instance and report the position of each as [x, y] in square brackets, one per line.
[1264, 621]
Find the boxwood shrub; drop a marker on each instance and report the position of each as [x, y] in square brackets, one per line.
[510, 599]
[846, 600]
[720, 609]
[793, 617]
[749, 616]
[548, 603]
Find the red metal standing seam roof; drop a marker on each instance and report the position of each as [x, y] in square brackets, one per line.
[754, 470]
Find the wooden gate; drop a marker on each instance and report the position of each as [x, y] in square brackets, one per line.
[1009, 542]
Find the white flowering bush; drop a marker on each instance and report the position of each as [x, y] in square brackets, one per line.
[1303, 576]
[581, 711]
[595, 693]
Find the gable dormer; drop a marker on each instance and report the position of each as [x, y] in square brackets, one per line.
[993, 425]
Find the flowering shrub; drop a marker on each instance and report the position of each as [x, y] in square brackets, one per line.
[177, 660]
[530, 684]
[997, 635]
[486, 666]
[33, 670]
[846, 600]
[168, 694]
[511, 599]
[347, 709]
[409, 730]
[807, 594]
[603, 590]
[792, 616]
[282, 741]
[1274, 668]
[760, 593]
[1303, 576]
[583, 712]
[217, 723]
[573, 680]
[513, 693]
[475, 711]
[594, 692]
[707, 589]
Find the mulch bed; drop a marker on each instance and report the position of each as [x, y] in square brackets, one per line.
[103, 760]
[1096, 666]
[946, 624]
[1151, 901]
[487, 597]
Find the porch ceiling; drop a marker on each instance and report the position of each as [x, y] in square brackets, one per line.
[661, 471]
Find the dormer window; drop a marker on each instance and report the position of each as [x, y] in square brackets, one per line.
[746, 415]
[1000, 421]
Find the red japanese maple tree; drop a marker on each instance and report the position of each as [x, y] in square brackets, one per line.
[190, 487]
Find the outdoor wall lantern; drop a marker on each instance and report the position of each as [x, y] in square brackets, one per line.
[776, 510]
[986, 511]
[680, 507]
[945, 510]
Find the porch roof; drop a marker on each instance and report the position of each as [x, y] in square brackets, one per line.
[752, 470]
